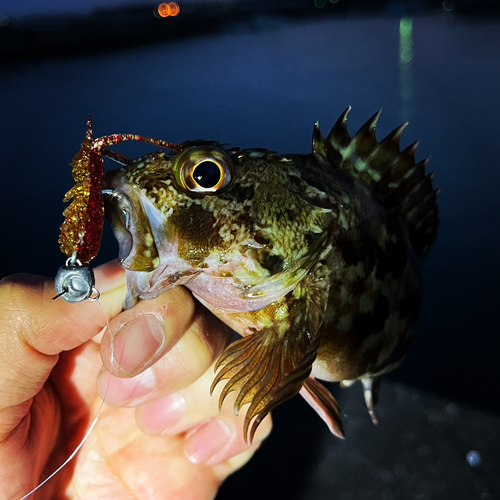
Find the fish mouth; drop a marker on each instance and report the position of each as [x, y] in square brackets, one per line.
[138, 226]
[117, 208]
[151, 261]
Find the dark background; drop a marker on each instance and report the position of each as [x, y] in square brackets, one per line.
[259, 75]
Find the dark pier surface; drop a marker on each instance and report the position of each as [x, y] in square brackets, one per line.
[425, 447]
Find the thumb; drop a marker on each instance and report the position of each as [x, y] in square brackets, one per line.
[34, 329]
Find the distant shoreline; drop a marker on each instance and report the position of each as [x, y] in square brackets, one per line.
[117, 29]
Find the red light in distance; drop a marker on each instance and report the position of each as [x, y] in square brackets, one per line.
[168, 9]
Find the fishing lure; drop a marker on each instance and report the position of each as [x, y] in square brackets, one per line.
[81, 231]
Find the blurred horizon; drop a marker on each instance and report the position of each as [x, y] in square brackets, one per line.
[33, 30]
[27, 8]
[22, 9]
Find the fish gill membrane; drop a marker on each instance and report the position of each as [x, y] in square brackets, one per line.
[94, 297]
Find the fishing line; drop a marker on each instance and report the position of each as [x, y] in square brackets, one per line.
[94, 298]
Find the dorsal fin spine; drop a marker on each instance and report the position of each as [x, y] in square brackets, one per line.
[394, 137]
[365, 138]
[339, 130]
[318, 141]
[401, 183]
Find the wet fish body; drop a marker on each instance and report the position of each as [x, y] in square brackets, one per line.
[314, 259]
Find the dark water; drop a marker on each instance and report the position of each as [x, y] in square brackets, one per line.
[264, 88]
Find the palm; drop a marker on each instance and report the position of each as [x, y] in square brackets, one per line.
[123, 462]
[117, 460]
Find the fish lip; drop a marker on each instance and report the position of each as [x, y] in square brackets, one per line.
[149, 285]
[119, 220]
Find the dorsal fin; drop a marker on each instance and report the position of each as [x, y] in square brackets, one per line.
[402, 184]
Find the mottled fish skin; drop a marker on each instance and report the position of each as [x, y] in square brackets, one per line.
[314, 259]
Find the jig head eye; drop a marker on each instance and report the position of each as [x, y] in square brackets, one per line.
[203, 170]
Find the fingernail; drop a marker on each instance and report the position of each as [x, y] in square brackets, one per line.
[125, 391]
[137, 342]
[208, 441]
[158, 415]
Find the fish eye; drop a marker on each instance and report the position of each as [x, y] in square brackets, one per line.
[203, 170]
[207, 174]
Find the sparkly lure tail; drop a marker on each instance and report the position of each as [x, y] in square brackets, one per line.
[81, 231]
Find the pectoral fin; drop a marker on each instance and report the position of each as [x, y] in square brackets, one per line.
[270, 366]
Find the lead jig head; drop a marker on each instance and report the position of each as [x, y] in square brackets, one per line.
[75, 282]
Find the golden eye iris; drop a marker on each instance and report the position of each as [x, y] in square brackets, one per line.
[203, 170]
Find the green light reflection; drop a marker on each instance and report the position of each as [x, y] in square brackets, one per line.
[406, 39]
[405, 73]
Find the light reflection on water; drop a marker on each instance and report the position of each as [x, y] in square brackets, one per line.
[405, 75]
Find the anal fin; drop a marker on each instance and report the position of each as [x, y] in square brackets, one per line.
[325, 405]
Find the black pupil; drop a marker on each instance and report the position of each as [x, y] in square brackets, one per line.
[207, 174]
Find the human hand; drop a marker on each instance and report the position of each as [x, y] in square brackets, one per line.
[162, 438]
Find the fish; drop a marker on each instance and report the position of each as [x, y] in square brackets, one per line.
[315, 260]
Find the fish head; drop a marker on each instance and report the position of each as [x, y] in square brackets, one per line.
[230, 224]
